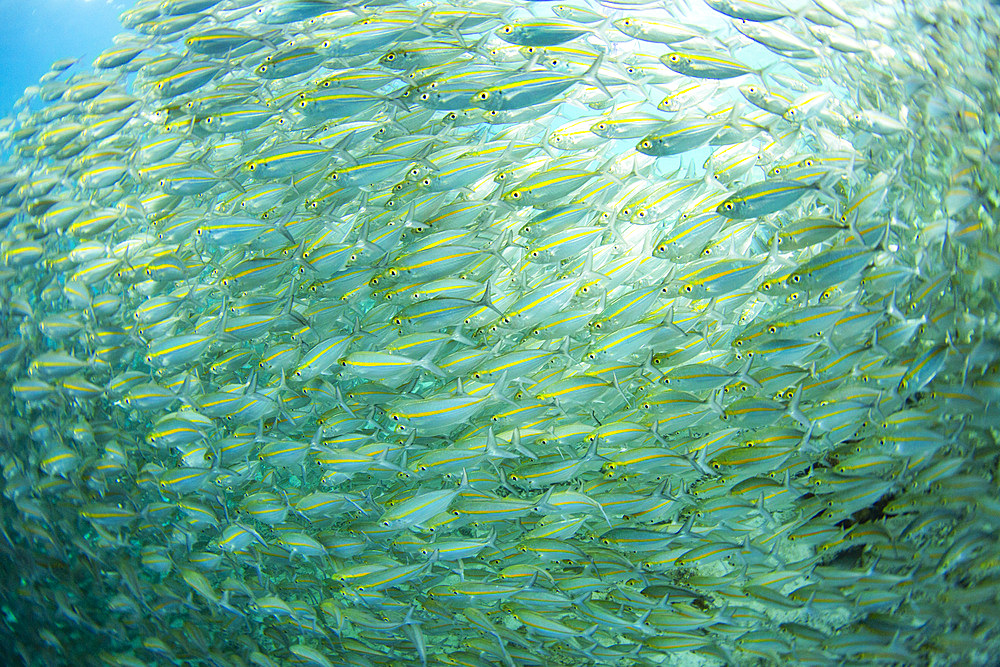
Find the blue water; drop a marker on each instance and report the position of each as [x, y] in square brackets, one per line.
[36, 33]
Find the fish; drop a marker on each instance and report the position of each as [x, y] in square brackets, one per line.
[450, 333]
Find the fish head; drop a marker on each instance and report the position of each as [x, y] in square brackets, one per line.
[488, 98]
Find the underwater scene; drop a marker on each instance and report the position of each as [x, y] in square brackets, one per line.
[494, 332]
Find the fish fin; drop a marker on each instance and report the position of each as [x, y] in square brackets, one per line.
[517, 446]
[457, 336]
[591, 76]
[427, 363]
[493, 451]
[487, 302]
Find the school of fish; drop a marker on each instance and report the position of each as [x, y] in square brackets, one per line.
[491, 332]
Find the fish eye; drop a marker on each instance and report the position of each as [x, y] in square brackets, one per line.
[688, 288]
[752, 90]
[389, 57]
[795, 278]
[674, 58]
[484, 95]
[507, 29]
[728, 206]
[251, 166]
[646, 144]
[772, 329]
